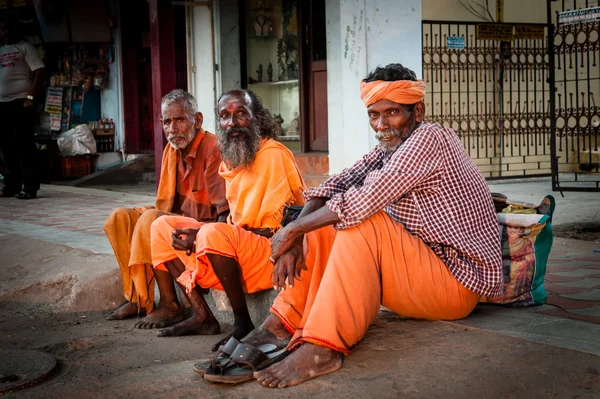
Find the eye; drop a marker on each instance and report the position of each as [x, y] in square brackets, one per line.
[372, 115]
[394, 112]
[166, 122]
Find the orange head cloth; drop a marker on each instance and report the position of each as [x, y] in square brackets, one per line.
[398, 91]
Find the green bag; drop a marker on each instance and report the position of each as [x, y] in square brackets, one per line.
[526, 237]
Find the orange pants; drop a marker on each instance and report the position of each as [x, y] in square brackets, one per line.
[250, 250]
[353, 271]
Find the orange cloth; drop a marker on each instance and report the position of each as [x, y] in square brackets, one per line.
[257, 196]
[353, 271]
[128, 230]
[192, 186]
[250, 250]
[399, 91]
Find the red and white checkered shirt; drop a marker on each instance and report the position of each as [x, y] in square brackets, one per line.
[435, 190]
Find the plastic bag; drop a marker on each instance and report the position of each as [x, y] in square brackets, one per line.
[77, 141]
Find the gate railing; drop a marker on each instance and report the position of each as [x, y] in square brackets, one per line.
[575, 46]
[495, 94]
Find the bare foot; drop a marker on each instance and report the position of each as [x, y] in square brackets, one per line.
[164, 315]
[192, 326]
[309, 361]
[128, 309]
[271, 331]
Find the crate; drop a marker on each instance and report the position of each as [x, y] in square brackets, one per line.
[105, 132]
[75, 166]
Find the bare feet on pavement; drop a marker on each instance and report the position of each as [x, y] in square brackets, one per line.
[128, 309]
[309, 361]
[192, 326]
[162, 316]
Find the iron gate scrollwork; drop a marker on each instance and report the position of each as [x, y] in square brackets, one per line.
[495, 94]
[575, 46]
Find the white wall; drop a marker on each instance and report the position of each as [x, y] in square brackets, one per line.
[361, 35]
[111, 97]
[201, 59]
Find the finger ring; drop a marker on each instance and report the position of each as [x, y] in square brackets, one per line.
[272, 260]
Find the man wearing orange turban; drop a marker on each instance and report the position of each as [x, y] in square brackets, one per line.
[411, 226]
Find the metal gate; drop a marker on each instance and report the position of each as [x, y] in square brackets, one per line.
[576, 105]
[494, 93]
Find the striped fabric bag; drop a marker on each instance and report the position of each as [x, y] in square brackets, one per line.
[526, 236]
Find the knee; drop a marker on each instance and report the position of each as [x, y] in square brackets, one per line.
[161, 224]
[149, 216]
[118, 216]
[211, 230]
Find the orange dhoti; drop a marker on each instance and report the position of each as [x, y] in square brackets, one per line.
[128, 231]
[250, 250]
[354, 271]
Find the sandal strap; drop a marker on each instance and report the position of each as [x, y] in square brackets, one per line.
[248, 355]
[230, 346]
[225, 351]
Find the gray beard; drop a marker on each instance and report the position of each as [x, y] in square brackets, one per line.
[386, 146]
[239, 151]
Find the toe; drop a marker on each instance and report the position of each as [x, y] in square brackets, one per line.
[274, 383]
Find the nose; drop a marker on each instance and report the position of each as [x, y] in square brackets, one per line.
[382, 124]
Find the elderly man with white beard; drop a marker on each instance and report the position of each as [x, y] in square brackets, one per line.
[189, 186]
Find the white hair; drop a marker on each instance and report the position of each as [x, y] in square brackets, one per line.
[189, 102]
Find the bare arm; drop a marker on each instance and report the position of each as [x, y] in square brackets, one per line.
[38, 81]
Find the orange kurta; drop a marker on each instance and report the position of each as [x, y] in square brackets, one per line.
[192, 187]
[257, 196]
[352, 272]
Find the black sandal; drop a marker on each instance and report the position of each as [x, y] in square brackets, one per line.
[24, 195]
[244, 361]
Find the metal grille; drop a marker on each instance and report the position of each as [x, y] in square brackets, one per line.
[494, 94]
[576, 49]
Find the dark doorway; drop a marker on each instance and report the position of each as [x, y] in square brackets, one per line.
[137, 80]
[315, 73]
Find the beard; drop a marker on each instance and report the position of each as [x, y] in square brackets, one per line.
[179, 140]
[239, 150]
[390, 133]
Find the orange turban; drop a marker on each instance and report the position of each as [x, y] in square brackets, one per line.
[398, 91]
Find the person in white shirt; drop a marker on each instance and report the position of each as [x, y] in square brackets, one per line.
[21, 80]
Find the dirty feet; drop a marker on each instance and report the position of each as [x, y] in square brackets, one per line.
[192, 326]
[128, 309]
[163, 316]
[271, 331]
[309, 361]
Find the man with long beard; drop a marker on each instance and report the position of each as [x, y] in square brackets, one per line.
[261, 179]
[189, 185]
[411, 226]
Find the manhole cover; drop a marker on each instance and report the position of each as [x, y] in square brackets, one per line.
[21, 367]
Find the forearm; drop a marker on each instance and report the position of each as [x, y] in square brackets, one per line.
[317, 215]
[38, 81]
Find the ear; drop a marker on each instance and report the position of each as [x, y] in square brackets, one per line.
[199, 119]
[419, 111]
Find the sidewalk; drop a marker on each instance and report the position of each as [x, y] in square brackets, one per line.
[55, 254]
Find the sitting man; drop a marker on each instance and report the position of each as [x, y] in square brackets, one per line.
[189, 185]
[410, 226]
[261, 179]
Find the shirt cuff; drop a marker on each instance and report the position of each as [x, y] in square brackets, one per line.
[315, 192]
[336, 204]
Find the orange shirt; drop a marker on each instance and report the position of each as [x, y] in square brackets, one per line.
[200, 191]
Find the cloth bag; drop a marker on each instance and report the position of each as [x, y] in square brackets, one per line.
[526, 237]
